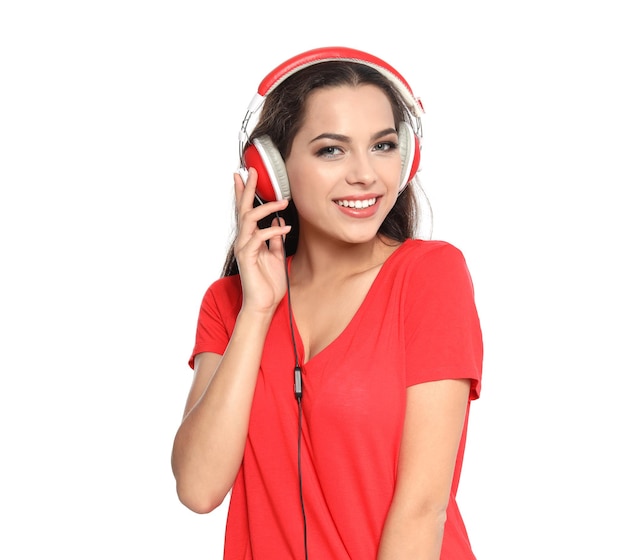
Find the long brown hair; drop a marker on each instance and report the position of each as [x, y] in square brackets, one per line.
[282, 116]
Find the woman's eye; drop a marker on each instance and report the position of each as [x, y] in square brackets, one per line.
[328, 151]
[385, 146]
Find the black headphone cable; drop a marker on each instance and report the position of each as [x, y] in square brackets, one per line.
[298, 390]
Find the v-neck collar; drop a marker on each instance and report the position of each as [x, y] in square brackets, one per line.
[353, 320]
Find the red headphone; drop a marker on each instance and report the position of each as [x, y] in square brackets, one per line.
[272, 183]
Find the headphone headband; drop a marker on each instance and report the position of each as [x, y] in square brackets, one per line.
[327, 54]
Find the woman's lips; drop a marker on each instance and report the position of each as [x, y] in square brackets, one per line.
[363, 207]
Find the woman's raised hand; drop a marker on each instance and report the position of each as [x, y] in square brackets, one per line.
[261, 268]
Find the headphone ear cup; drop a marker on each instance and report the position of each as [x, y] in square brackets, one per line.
[409, 146]
[272, 182]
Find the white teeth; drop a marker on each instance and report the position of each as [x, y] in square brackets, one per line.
[357, 203]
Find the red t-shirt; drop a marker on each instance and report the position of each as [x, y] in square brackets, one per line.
[418, 323]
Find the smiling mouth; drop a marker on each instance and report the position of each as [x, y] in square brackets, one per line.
[366, 203]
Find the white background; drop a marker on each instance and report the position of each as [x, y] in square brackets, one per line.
[118, 140]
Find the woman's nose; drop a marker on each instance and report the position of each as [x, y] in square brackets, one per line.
[360, 169]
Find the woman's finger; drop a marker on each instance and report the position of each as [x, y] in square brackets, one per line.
[255, 242]
[244, 190]
[277, 242]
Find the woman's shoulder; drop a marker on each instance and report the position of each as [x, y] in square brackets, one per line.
[426, 262]
[225, 289]
[413, 250]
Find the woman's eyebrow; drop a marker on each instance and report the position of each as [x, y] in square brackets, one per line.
[331, 136]
[344, 138]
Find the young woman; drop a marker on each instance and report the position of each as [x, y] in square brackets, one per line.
[336, 358]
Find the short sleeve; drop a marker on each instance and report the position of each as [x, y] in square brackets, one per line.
[442, 327]
[218, 312]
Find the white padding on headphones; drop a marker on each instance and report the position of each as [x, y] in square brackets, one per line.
[406, 145]
[274, 165]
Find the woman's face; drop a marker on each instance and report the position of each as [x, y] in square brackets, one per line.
[344, 165]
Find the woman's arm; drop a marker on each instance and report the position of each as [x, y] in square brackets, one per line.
[434, 421]
[209, 444]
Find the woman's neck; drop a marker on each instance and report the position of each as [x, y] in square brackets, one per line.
[335, 261]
